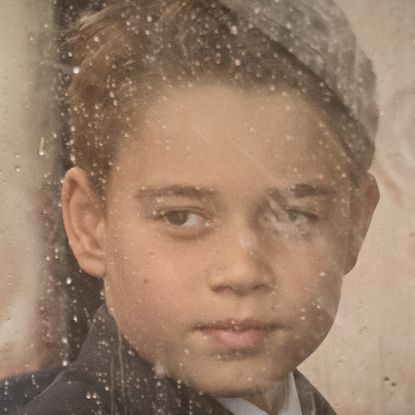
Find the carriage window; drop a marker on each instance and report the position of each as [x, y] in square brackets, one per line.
[218, 214]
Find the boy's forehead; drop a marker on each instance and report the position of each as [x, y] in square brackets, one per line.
[216, 130]
[226, 110]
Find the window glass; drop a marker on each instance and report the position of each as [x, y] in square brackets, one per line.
[250, 175]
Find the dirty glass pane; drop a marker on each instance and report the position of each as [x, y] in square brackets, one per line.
[218, 222]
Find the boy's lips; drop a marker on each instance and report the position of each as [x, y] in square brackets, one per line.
[235, 334]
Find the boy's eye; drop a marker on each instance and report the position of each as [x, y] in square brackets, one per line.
[299, 216]
[292, 216]
[184, 218]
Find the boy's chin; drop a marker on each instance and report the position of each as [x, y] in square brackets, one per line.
[231, 384]
[237, 389]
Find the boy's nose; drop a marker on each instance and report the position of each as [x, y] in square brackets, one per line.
[241, 267]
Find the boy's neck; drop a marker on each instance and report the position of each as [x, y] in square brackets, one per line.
[272, 399]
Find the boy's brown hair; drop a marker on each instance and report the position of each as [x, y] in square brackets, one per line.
[126, 55]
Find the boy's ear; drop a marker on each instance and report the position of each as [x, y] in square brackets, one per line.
[84, 220]
[363, 204]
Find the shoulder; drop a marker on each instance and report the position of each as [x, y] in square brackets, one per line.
[17, 391]
[311, 400]
[51, 391]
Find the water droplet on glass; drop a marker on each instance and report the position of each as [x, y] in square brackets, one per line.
[234, 30]
[160, 370]
[42, 147]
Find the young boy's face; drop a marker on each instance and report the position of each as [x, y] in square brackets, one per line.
[226, 234]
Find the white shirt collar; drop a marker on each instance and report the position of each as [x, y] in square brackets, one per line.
[240, 406]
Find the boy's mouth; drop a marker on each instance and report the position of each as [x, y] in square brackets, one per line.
[237, 334]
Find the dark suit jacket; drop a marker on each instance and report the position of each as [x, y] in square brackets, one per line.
[110, 378]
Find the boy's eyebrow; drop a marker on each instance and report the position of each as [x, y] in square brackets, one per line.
[303, 190]
[194, 192]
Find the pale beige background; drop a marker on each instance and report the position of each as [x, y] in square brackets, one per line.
[367, 364]
[25, 157]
